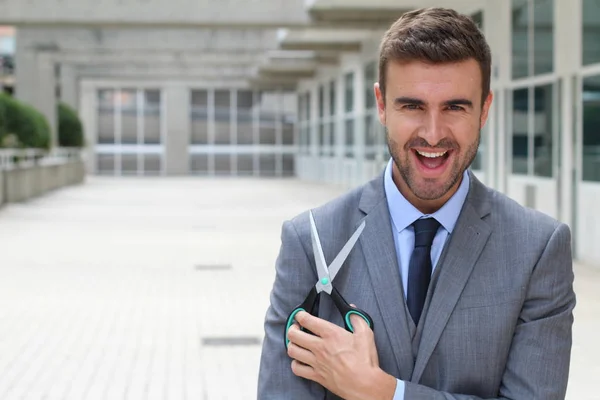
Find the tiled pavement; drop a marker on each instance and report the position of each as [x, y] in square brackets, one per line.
[156, 289]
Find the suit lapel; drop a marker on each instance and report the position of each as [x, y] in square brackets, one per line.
[467, 242]
[379, 249]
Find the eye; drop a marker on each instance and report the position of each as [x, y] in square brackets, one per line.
[455, 108]
[411, 107]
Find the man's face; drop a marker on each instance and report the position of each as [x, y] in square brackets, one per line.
[433, 116]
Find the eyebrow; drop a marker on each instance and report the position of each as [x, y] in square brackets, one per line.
[414, 100]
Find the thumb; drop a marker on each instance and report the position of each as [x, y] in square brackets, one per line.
[358, 323]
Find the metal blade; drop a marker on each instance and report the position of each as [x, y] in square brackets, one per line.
[337, 263]
[320, 262]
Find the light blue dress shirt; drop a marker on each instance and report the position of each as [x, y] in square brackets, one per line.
[403, 214]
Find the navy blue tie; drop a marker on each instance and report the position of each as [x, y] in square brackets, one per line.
[419, 270]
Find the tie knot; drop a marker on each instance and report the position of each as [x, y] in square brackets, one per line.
[425, 230]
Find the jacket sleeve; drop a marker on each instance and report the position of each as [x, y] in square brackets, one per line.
[539, 359]
[295, 274]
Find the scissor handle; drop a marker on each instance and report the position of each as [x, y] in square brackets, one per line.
[310, 305]
[347, 310]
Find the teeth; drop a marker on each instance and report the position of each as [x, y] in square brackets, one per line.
[431, 155]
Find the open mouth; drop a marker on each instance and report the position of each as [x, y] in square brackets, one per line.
[433, 161]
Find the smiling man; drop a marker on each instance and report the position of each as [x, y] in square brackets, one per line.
[470, 293]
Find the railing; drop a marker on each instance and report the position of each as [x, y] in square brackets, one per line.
[19, 158]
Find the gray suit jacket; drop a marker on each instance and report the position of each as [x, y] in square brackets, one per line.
[497, 320]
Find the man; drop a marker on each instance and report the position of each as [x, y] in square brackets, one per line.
[475, 305]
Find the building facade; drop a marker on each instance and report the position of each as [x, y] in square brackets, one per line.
[287, 90]
[541, 145]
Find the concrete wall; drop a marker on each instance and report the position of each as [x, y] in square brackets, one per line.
[24, 183]
[273, 13]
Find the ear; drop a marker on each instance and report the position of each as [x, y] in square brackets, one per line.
[486, 108]
[380, 103]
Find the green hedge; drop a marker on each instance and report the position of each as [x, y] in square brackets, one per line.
[70, 129]
[23, 121]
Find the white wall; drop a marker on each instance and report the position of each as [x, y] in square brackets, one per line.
[588, 223]
[546, 193]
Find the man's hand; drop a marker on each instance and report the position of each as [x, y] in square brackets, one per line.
[344, 363]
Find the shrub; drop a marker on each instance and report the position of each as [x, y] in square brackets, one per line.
[28, 125]
[2, 120]
[70, 129]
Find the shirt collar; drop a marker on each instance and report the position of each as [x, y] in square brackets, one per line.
[403, 213]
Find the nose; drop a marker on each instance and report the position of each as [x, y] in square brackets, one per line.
[433, 130]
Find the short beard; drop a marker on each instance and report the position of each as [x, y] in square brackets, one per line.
[433, 191]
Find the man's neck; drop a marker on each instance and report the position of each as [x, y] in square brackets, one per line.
[425, 206]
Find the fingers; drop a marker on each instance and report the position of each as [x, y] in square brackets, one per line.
[305, 371]
[300, 354]
[358, 323]
[316, 325]
[302, 339]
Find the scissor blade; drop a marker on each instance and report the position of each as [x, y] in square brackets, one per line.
[320, 262]
[337, 263]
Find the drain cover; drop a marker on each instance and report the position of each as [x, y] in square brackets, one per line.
[231, 341]
[212, 267]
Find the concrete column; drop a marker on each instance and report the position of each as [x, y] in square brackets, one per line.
[45, 99]
[359, 121]
[35, 84]
[25, 72]
[68, 86]
[567, 59]
[88, 112]
[314, 125]
[177, 137]
[497, 29]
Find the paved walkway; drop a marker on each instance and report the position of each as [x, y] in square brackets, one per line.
[156, 289]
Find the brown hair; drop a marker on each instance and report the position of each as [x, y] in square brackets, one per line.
[435, 35]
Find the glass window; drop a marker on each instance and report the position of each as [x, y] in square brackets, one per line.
[199, 134]
[245, 164]
[543, 130]
[105, 164]
[266, 164]
[591, 31]
[322, 136]
[591, 129]
[332, 107]
[129, 164]
[301, 107]
[477, 164]
[307, 104]
[222, 164]
[543, 36]
[321, 101]
[532, 37]
[370, 79]
[321, 122]
[129, 117]
[152, 117]
[199, 163]
[222, 117]
[349, 134]
[269, 104]
[370, 137]
[520, 39]
[520, 141]
[152, 164]
[106, 118]
[287, 164]
[349, 92]
[245, 120]
[287, 131]
[331, 137]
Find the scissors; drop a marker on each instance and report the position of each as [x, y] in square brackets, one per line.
[324, 284]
